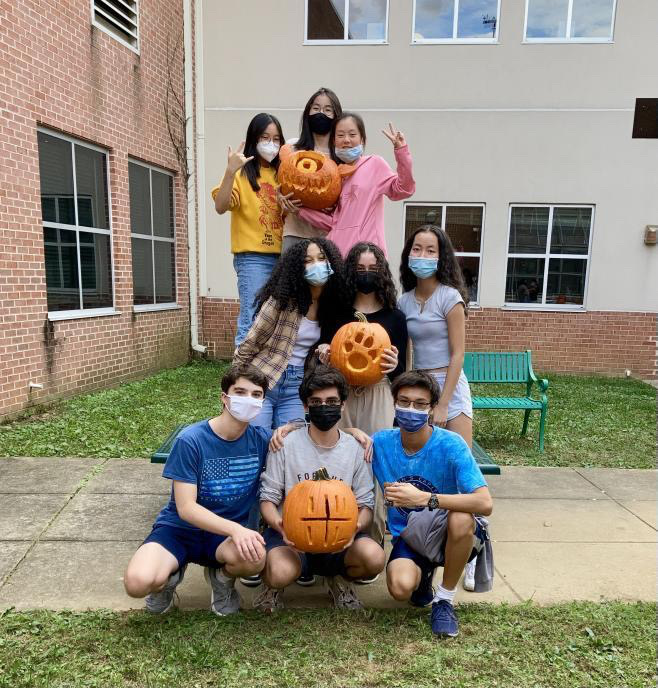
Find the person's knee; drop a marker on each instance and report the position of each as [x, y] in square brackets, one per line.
[280, 572]
[374, 560]
[460, 525]
[399, 588]
[140, 583]
[249, 568]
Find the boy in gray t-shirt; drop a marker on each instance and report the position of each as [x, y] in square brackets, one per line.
[304, 451]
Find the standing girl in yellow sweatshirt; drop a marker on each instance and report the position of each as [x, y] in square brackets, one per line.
[248, 191]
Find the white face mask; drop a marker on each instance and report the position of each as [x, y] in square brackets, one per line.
[268, 150]
[244, 409]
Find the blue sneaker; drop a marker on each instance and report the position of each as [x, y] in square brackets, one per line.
[443, 619]
[424, 593]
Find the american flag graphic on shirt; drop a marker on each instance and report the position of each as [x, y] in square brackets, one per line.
[227, 480]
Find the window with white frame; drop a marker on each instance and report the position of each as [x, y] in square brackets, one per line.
[548, 255]
[152, 234]
[587, 21]
[76, 224]
[454, 21]
[119, 18]
[351, 21]
[463, 223]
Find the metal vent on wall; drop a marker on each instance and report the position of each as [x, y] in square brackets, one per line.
[118, 18]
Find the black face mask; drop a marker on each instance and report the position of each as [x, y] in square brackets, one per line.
[320, 123]
[324, 417]
[366, 282]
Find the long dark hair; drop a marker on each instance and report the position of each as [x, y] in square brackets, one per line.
[254, 131]
[385, 290]
[290, 290]
[360, 125]
[306, 140]
[449, 271]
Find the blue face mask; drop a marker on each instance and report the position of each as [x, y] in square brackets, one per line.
[411, 420]
[318, 273]
[349, 155]
[423, 267]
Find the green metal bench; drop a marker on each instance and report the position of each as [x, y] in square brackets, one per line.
[508, 368]
[162, 454]
[484, 461]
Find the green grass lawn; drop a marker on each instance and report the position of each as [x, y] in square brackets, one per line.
[592, 421]
[573, 645]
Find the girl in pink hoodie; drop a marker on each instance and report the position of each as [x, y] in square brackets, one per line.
[359, 213]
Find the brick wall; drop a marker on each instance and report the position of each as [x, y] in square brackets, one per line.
[58, 71]
[593, 342]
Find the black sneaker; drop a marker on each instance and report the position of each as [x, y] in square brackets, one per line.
[424, 593]
[251, 581]
[306, 580]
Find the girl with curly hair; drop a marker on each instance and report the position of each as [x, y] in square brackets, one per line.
[320, 111]
[303, 301]
[249, 191]
[435, 303]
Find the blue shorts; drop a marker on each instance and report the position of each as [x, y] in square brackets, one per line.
[401, 550]
[187, 545]
[312, 564]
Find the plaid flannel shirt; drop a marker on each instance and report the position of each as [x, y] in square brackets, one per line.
[270, 340]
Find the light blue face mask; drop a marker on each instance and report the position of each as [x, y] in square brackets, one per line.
[318, 273]
[423, 267]
[349, 155]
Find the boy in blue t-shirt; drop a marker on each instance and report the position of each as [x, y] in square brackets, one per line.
[215, 466]
[420, 466]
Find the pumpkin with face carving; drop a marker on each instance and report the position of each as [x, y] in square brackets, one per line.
[311, 177]
[356, 351]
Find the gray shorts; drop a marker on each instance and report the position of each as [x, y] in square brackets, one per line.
[461, 397]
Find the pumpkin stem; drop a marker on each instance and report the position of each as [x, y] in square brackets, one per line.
[360, 317]
[321, 474]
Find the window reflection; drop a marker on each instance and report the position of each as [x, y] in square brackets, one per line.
[547, 18]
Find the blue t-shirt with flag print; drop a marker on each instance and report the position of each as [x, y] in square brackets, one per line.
[226, 472]
[444, 465]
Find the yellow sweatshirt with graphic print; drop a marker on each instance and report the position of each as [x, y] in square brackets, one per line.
[256, 222]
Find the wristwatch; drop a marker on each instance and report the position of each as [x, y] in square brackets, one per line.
[433, 502]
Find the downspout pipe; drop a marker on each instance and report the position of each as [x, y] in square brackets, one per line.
[192, 186]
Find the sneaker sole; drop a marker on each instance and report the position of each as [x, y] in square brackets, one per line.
[249, 583]
[469, 587]
[306, 584]
[445, 635]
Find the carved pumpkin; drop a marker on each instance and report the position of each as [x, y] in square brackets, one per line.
[312, 177]
[356, 351]
[320, 515]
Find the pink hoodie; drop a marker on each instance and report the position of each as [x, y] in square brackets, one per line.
[359, 214]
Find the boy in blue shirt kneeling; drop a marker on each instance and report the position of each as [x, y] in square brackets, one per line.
[215, 466]
[420, 466]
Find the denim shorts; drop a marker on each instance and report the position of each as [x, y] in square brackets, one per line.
[282, 403]
[312, 564]
[187, 545]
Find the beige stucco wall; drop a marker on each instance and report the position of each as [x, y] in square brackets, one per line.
[493, 124]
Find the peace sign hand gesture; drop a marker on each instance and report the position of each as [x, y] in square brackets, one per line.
[236, 160]
[395, 136]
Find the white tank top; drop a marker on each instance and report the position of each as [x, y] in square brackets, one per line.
[307, 335]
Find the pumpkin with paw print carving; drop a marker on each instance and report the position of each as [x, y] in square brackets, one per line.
[356, 351]
[311, 177]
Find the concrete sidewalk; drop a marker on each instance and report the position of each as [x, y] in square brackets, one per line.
[69, 526]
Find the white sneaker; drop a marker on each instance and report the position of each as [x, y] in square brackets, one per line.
[469, 576]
